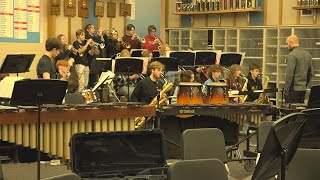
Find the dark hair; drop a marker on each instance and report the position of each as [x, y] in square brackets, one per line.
[79, 32]
[52, 43]
[186, 76]
[151, 27]
[130, 26]
[253, 67]
[87, 27]
[214, 68]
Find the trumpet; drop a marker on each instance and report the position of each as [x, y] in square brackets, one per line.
[142, 40]
[159, 42]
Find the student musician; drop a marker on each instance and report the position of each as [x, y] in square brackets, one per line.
[148, 88]
[63, 69]
[214, 74]
[67, 51]
[113, 43]
[152, 42]
[46, 67]
[131, 39]
[81, 59]
[254, 83]
[235, 81]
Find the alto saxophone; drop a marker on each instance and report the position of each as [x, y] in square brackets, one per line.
[244, 88]
[139, 121]
[263, 99]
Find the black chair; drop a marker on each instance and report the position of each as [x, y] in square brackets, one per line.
[204, 169]
[69, 176]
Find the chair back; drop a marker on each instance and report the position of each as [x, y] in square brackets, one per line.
[204, 169]
[204, 143]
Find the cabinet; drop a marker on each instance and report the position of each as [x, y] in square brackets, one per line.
[264, 46]
[178, 39]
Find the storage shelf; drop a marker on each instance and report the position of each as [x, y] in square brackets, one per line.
[218, 12]
[305, 7]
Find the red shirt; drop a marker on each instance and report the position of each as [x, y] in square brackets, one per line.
[148, 44]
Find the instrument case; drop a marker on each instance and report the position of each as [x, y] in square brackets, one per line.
[119, 155]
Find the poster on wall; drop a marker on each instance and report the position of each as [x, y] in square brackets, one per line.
[133, 8]
[20, 21]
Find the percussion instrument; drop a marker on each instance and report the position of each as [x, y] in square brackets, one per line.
[190, 93]
[59, 123]
[217, 92]
[89, 96]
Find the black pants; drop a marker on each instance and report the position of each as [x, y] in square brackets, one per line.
[295, 97]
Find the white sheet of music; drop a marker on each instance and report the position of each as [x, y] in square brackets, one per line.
[6, 86]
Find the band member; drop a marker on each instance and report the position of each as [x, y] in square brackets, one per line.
[164, 49]
[214, 74]
[148, 88]
[151, 41]
[45, 67]
[95, 49]
[235, 82]
[81, 59]
[254, 83]
[63, 69]
[67, 52]
[131, 39]
[113, 43]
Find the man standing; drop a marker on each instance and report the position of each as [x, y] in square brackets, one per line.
[298, 71]
[152, 42]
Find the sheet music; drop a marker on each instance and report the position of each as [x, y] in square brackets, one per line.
[7, 85]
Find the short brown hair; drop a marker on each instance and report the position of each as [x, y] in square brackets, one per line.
[186, 76]
[155, 65]
[214, 68]
[130, 26]
[253, 67]
[79, 32]
[151, 27]
[146, 53]
[60, 36]
[52, 43]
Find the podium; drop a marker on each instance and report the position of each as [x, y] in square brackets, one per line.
[17, 63]
[36, 93]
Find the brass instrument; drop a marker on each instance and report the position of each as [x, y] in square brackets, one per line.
[139, 121]
[244, 88]
[142, 40]
[263, 99]
[159, 42]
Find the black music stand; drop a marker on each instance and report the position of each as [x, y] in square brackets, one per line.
[17, 63]
[156, 53]
[170, 64]
[227, 59]
[128, 66]
[35, 93]
[137, 52]
[184, 58]
[280, 146]
[314, 99]
[100, 65]
[205, 58]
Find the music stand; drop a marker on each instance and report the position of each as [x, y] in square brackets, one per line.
[205, 58]
[100, 65]
[17, 63]
[314, 100]
[137, 52]
[128, 66]
[170, 64]
[184, 58]
[280, 146]
[227, 59]
[155, 53]
[35, 93]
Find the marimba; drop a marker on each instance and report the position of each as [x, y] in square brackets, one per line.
[59, 123]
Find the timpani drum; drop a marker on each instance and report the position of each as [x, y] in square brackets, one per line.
[89, 96]
[217, 92]
[190, 93]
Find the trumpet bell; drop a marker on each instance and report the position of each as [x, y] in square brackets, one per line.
[143, 40]
[102, 45]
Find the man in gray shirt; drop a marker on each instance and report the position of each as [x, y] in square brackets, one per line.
[298, 71]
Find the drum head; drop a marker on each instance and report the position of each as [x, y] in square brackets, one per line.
[189, 84]
[218, 84]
